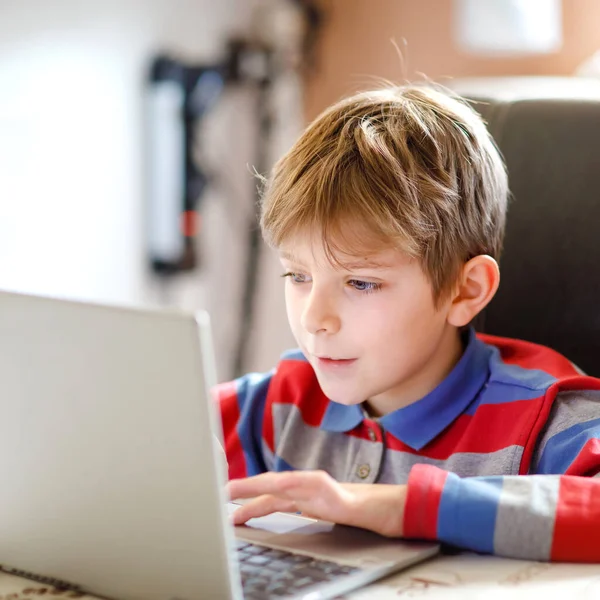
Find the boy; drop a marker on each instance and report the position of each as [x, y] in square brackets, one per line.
[388, 214]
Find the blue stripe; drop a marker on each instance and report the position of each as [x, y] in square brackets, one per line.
[533, 379]
[281, 465]
[251, 395]
[502, 393]
[467, 513]
[562, 449]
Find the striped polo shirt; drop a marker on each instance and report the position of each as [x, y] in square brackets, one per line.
[507, 409]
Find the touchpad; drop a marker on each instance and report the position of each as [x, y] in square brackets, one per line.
[277, 523]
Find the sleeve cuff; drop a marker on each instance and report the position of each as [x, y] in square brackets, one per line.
[425, 487]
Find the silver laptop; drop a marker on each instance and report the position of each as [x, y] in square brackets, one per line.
[112, 478]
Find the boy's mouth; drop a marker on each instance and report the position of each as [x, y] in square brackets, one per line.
[327, 361]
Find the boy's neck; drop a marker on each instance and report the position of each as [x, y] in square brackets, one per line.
[445, 358]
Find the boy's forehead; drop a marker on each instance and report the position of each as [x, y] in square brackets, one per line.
[305, 251]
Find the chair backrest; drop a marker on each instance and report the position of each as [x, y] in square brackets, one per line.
[549, 133]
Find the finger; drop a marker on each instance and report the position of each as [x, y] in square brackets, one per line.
[260, 507]
[297, 484]
[250, 487]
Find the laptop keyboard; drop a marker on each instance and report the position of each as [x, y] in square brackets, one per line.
[269, 573]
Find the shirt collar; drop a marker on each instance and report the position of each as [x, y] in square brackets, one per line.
[420, 422]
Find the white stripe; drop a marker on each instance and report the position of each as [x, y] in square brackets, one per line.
[465, 464]
[525, 518]
[341, 455]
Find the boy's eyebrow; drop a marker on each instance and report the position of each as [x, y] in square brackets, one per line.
[350, 266]
[365, 264]
[288, 256]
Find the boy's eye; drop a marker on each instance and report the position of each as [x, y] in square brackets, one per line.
[296, 277]
[364, 286]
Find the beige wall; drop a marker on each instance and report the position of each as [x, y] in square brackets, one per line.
[72, 138]
[355, 47]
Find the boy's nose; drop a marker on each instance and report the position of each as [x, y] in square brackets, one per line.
[319, 314]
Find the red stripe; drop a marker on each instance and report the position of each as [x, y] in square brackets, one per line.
[544, 406]
[223, 391]
[268, 432]
[230, 415]
[587, 462]
[296, 383]
[531, 356]
[393, 443]
[493, 427]
[425, 486]
[581, 382]
[577, 525]
[365, 431]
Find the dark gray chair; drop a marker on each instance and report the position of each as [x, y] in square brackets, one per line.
[549, 133]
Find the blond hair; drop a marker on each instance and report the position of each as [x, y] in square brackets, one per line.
[413, 167]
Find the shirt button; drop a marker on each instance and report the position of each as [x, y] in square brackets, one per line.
[363, 471]
[372, 435]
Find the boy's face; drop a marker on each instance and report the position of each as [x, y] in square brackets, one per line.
[370, 330]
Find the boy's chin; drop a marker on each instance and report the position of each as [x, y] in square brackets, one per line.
[348, 398]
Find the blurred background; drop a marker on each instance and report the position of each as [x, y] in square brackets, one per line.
[132, 131]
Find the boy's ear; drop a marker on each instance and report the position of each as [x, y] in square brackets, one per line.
[477, 284]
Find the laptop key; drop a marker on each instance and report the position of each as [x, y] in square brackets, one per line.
[256, 580]
[255, 584]
[295, 559]
[280, 565]
[314, 574]
[324, 565]
[304, 582]
[243, 555]
[277, 554]
[257, 560]
[343, 569]
[239, 544]
[278, 590]
[255, 550]
[284, 576]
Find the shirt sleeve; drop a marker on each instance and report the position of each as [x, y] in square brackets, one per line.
[553, 513]
[242, 404]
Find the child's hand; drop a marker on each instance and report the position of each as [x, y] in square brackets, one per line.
[316, 494]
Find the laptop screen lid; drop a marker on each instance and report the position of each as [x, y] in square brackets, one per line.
[90, 496]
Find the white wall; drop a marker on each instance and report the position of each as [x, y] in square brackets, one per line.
[71, 168]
